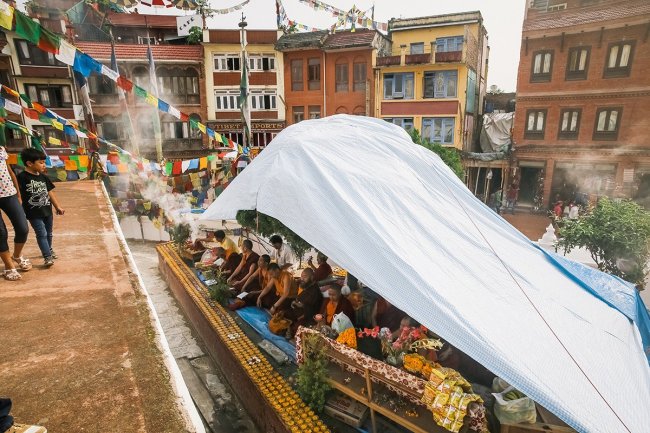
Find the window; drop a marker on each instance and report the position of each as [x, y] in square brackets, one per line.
[440, 84]
[174, 129]
[342, 77]
[535, 124]
[577, 64]
[182, 85]
[141, 78]
[417, 48]
[608, 121]
[398, 86]
[47, 132]
[261, 63]
[29, 54]
[542, 66]
[619, 59]
[404, 122]
[263, 100]
[314, 74]
[569, 123]
[359, 71]
[109, 129]
[445, 45]
[227, 100]
[143, 40]
[50, 96]
[296, 75]
[439, 129]
[261, 139]
[226, 63]
[314, 111]
[298, 114]
[558, 7]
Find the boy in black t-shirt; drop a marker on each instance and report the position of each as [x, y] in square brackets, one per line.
[38, 198]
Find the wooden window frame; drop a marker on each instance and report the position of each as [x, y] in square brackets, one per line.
[568, 135]
[542, 77]
[313, 82]
[607, 135]
[577, 75]
[535, 135]
[297, 85]
[619, 72]
[339, 85]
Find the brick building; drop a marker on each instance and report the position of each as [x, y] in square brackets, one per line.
[329, 74]
[180, 81]
[222, 59]
[583, 100]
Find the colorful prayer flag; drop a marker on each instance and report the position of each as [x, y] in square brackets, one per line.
[140, 92]
[66, 53]
[49, 41]
[54, 141]
[6, 15]
[58, 125]
[174, 112]
[203, 163]
[168, 168]
[85, 65]
[151, 100]
[27, 28]
[124, 83]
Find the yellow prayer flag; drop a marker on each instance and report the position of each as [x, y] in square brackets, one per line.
[58, 125]
[151, 100]
[6, 16]
[61, 175]
[13, 159]
[70, 165]
[217, 137]
[201, 127]
[83, 160]
[54, 141]
[203, 163]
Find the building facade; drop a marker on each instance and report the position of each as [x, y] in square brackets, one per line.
[179, 75]
[222, 60]
[583, 100]
[329, 74]
[434, 79]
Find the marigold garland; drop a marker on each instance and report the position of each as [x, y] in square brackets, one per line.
[348, 337]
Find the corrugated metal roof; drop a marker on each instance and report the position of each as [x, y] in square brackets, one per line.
[348, 39]
[138, 20]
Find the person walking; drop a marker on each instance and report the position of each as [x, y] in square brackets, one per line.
[511, 198]
[10, 204]
[38, 199]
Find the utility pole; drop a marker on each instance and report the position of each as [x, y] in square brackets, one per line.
[245, 108]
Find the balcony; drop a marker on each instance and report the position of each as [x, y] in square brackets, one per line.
[389, 61]
[449, 57]
[104, 98]
[417, 59]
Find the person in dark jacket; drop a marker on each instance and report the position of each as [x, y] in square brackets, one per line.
[335, 304]
[307, 303]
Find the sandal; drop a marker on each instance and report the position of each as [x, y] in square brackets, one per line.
[11, 275]
[23, 263]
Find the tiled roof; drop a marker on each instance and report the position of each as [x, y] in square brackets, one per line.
[102, 51]
[348, 39]
[301, 40]
[138, 20]
[568, 18]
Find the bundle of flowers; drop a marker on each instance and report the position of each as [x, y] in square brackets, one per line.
[348, 337]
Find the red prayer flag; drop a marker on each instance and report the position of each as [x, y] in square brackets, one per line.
[124, 83]
[185, 117]
[113, 158]
[178, 167]
[31, 113]
[64, 157]
[38, 107]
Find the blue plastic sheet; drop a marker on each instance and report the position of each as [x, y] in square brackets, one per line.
[259, 320]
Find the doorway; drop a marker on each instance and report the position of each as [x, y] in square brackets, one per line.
[528, 185]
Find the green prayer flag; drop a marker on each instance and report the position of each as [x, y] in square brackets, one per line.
[125, 158]
[168, 168]
[36, 143]
[194, 123]
[3, 137]
[27, 28]
[49, 41]
[43, 118]
[139, 91]
[20, 161]
[3, 112]
[211, 157]
[26, 99]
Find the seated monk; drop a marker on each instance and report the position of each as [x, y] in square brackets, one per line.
[230, 262]
[279, 292]
[323, 271]
[335, 304]
[386, 315]
[246, 268]
[306, 304]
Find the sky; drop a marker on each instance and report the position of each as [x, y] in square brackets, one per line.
[503, 21]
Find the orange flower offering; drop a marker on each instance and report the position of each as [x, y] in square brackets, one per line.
[348, 337]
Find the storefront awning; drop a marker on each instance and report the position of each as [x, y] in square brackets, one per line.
[396, 217]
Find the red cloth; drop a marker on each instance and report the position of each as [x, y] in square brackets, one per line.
[177, 168]
[31, 113]
[124, 83]
[113, 158]
[184, 117]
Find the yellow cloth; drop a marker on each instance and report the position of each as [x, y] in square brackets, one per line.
[279, 287]
[151, 100]
[61, 175]
[70, 165]
[83, 160]
[58, 125]
[201, 127]
[330, 310]
[230, 246]
[13, 159]
[203, 163]
[54, 141]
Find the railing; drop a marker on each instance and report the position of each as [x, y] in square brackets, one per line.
[104, 98]
[388, 61]
[449, 57]
[417, 59]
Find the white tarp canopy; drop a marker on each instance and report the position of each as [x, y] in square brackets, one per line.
[397, 218]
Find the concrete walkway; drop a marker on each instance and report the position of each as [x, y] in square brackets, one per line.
[78, 347]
